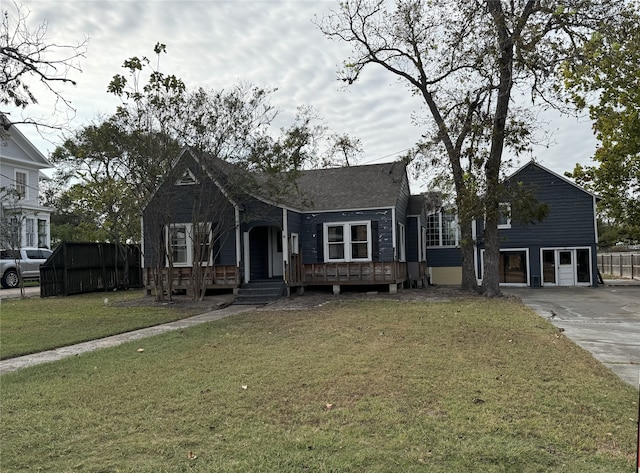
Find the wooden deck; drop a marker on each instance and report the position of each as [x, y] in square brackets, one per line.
[355, 273]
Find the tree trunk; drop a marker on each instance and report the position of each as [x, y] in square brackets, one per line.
[490, 278]
[467, 247]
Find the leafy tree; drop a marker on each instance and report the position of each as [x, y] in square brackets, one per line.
[605, 78]
[93, 162]
[465, 59]
[120, 162]
[344, 150]
[28, 58]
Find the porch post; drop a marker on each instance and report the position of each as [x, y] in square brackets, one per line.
[285, 245]
[247, 267]
[238, 244]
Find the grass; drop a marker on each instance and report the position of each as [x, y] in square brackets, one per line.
[369, 386]
[37, 324]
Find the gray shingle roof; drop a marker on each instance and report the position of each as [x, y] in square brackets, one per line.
[353, 187]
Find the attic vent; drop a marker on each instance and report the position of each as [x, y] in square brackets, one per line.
[187, 179]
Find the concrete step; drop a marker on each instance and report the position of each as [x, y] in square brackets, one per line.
[260, 292]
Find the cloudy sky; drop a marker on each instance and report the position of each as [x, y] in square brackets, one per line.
[217, 44]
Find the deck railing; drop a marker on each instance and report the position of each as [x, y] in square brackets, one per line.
[224, 277]
[355, 273]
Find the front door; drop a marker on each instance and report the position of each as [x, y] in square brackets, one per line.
[263, 245]
[566, 268]
[276, 258]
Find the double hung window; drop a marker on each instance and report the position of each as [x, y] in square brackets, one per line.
[21, 184]
[347, 241]
[30, 232]
[189, 243]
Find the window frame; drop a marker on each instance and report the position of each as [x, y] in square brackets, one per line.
[43, 235]
[506, 213]
[440, 214]
[402, 242]
[30, 232]
[294, 243]
[189, 229]
[527, 262]
[25, 186]
[347, 241]
[187, 247]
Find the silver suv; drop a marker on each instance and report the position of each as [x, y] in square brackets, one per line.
[27, 259]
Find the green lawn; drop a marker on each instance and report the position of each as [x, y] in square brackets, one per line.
[37, 324]
[370, 386]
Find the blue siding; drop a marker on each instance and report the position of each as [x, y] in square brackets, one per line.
[413, 237]
[444, 257]
[187, 203]
[310, 240]
[260, 214]
[402, 205]
[294, 222]
[570, 221]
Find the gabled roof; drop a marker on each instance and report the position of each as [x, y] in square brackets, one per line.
[539, 166]
[28, 153]
[345, 188]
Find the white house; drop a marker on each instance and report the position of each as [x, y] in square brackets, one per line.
[23, 220]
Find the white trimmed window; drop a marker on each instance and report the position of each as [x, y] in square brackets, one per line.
[21, 184]
[43, 236]
[294, 244]
[349, 241]
[402, 241]
[442, 228]
[188, 242]
[30, 232]
[504, 215]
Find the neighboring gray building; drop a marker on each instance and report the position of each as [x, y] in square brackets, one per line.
[23, 221]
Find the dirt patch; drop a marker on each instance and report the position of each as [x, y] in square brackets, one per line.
[310, 299]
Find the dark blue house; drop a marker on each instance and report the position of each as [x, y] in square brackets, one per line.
[354, 225]
[558, 251]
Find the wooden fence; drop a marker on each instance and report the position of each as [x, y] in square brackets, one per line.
[76, 268]
[622, 265]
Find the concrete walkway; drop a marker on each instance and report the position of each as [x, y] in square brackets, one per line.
[13, 364]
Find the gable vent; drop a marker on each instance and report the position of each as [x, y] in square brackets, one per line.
[187, 178]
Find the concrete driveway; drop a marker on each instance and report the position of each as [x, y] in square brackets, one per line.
[604, 320]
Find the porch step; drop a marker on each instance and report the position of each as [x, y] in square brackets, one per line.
[261, 292]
